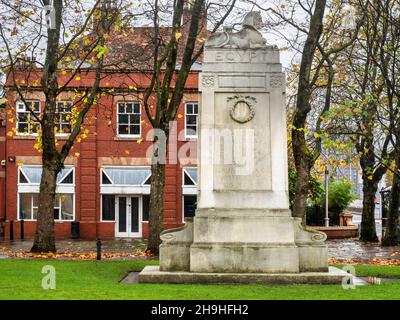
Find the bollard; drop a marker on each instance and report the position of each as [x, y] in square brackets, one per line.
[22, 230]
[98, 245]
[11, 230]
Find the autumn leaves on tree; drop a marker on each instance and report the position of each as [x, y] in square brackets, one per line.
[65, 54]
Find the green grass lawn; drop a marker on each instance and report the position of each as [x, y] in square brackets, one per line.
[21, 279]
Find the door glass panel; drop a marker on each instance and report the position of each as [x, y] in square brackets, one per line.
[122, 214]
[135, 215]
[146, 206]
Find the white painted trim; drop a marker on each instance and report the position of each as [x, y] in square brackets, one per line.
[115, 189]
[191, 136]
[70, 189]
[35, 220]
[103, 168]
[64, 135]
[21, 134]
[19, 175]
[71, 169]
[183, 208]
[128, 233]
[106, 174]
[35, 187]
[129, 136]
[189, 191]
[183, 176]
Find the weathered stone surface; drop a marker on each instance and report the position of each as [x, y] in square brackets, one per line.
[175, 249]
[153, 274]
[248, 37]
[243, 224]
[244, 258]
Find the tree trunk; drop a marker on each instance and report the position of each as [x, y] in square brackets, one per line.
[45, 235]
[156, 214]
[300, 202]
[390, 238]
[302, 155]
[368, 227]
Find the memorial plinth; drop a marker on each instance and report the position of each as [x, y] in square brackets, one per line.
[243, 223]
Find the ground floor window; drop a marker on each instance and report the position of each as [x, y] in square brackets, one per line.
[189, 190]
[63, 206]
[189, 206]
[108, 207]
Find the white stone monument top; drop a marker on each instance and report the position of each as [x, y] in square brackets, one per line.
[243, 156]
[247, 38]
[245, 50]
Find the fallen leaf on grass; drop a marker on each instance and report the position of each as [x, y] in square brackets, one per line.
[374, 262]
[75, 255]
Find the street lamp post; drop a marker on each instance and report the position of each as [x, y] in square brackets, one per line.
[326, 197]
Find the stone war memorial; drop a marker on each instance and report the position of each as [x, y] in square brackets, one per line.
[243, 231]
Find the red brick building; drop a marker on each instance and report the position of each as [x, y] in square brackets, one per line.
[105, 185]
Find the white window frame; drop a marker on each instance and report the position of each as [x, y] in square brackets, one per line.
[131, 136]
[101, 208]
[122, 189]
[187, 135]
[32, 207]
[188, 190]
[21, 103]
[59, 118]
[34, 188]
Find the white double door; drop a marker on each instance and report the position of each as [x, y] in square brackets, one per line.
[129, 217]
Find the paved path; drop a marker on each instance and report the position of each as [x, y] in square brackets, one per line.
[378, 223]
[127, 249]
[351, 249]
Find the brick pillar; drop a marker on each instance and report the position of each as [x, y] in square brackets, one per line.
[88, 179]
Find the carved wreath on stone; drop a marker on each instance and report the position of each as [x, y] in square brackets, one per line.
[208, 81]
[277, 81]
[243, 109]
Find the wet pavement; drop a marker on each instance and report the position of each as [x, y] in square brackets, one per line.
[81, 246]
[124, 249]
[356, 250]
[378, 224]
[342, 250]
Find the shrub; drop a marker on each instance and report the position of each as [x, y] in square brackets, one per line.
[315, 188]
[340, 196]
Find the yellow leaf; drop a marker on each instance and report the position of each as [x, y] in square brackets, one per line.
[180, 116]
[132, 88]
[20, 164]
[178, 35]
[139, 141]
[127, 152]
[78, 78]
[77, 154]
[10, 133]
